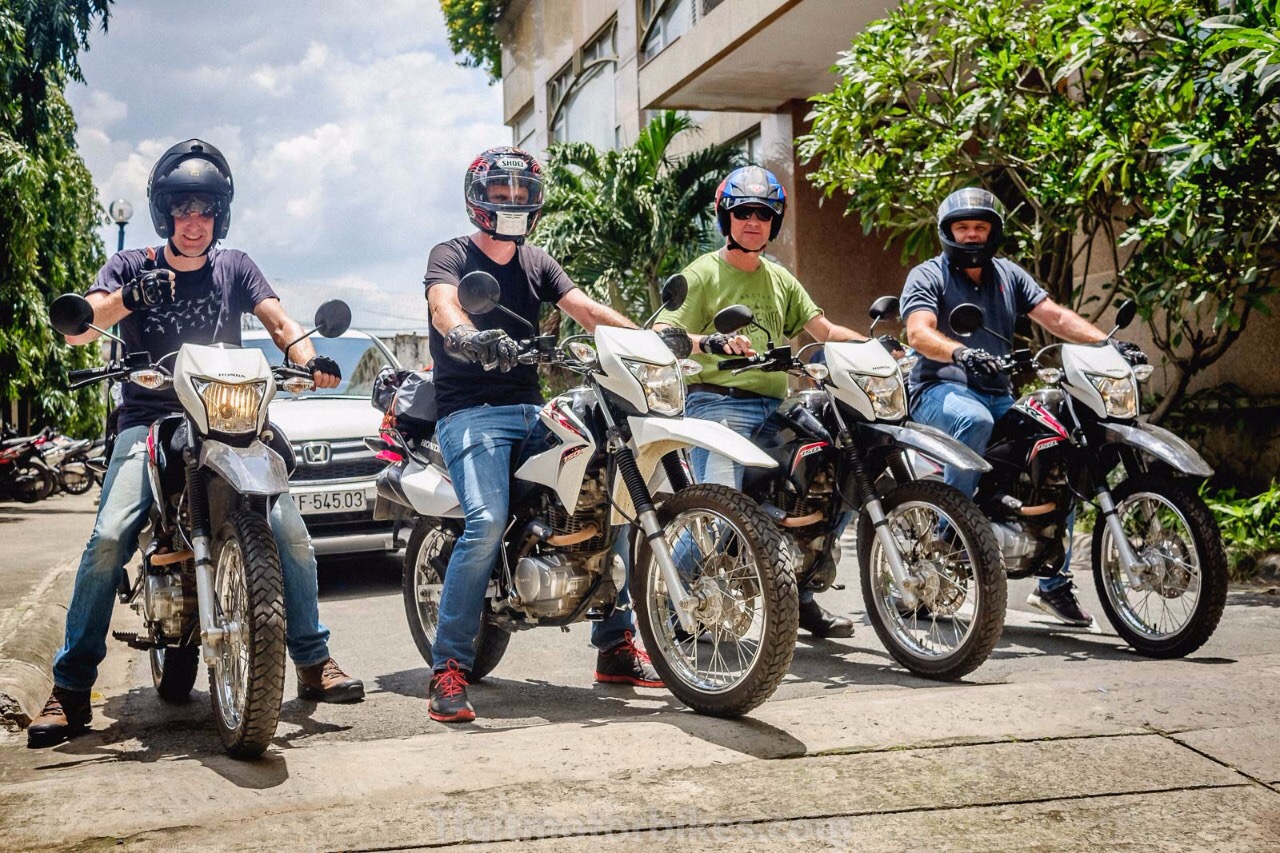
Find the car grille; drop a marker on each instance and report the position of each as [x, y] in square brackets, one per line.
[349, 459]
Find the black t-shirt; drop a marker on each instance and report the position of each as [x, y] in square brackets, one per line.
[937, 286]
[527, 280]
[207, 309]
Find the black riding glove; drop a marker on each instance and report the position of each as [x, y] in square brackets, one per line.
[677, 340]
[976, 361]
[149, 290]
[324, 364]
[716, 344]
[490, 349]
[892, 344]
[1132, 352]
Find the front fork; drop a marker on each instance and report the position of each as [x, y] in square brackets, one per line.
[211, 636]
[1129, 560]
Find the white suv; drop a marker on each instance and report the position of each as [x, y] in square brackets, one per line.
[333, 484]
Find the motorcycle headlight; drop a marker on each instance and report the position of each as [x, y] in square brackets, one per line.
[663, 386]
[887, 393]
[232, 408]
[1119, 396]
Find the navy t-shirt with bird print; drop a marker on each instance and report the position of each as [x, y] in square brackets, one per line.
[207, 308]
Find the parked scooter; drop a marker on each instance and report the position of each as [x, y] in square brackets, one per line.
[1157, 553]
[65, 456]
[721, 642]
[24, 473]
[930, 569]
[210, 586]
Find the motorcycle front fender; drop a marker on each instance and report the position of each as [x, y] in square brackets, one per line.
[252, 470]
[933, 443]
[695, 432]
[1162, 444]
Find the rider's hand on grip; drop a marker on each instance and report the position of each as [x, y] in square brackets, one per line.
[322, 365]
[677, 340]
[491, 349]
[157, 287]
[976, 361]
[1131, 352]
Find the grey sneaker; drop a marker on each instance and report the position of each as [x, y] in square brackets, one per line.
[1062, 605]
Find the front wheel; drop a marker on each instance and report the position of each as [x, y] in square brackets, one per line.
[747, 611]
[953, 566]
[425, 560]
[246, 680]
[1180, 588]
[32, 483]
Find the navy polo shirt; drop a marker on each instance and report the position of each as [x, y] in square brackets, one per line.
[937, 286]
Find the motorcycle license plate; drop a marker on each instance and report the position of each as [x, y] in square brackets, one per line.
[314, 503]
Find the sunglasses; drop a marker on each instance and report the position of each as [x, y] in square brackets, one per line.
[742, 214]
[193, 207]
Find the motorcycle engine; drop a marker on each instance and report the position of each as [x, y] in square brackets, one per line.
[1016, 544]
[164, 605]
[550, 585]
[591, 501]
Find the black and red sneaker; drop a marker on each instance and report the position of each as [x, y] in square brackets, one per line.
[626, 663]
[448, 696]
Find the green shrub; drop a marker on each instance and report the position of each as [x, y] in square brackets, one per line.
[1250, 526]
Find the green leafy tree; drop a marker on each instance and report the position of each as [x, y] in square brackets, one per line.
[48, 238]
[620, 221]
[1108, 129]
[472, 35]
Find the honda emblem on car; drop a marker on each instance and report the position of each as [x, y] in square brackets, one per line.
[317, 453]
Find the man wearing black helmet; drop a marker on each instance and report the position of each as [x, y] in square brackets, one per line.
[750, 204]
[958, 387]
[488, 407]
[186, 291]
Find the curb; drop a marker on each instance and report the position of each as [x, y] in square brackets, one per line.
[30, 635]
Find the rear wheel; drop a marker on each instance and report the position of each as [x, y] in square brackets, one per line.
[426, 558]
[246, 680]
[954, 568]
[75, 482]
[747, 611]
[174, 670]
[1181, 586]
[33, 483]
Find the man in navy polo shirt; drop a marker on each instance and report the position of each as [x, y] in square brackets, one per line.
[959, 388]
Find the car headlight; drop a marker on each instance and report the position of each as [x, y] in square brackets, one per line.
[1119, 396]
[232, 408]
[663, 386]
[887, 393]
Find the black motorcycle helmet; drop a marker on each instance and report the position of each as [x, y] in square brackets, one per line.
[970, 203]
[190, 167]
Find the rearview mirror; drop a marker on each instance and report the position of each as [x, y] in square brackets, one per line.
[1128, 310]
[479, 293]
[884, 307]
[967, 319]
[333, 318]
[733, 319]
[674, 292]
[71, 314]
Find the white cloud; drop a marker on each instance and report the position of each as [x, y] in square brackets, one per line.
[348, 127]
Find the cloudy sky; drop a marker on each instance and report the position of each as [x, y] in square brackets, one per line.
[348, 127]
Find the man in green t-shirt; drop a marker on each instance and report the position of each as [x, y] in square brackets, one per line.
[750, 204]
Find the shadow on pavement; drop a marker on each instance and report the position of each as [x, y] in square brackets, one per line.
[144, 729]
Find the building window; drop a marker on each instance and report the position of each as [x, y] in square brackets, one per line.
[752, 146]
[662, 22]
[583, 103]
[708, 5]
[522, 128]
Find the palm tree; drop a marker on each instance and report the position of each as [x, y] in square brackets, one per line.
[620, 221]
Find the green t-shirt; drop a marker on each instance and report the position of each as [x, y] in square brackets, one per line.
[779, 303]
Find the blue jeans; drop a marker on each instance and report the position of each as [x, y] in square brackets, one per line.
[970, 416]
[743, 415]
[123, 509]
[482, 446]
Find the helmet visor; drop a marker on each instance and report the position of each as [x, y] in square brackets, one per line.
[506, 191]
[193, 204]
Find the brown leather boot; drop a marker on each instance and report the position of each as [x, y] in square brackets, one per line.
[326, 682]
[65, 715]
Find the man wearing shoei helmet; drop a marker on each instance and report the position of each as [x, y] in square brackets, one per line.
[749, 206]
[959, 387]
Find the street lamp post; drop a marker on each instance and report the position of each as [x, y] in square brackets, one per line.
[120, 211]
